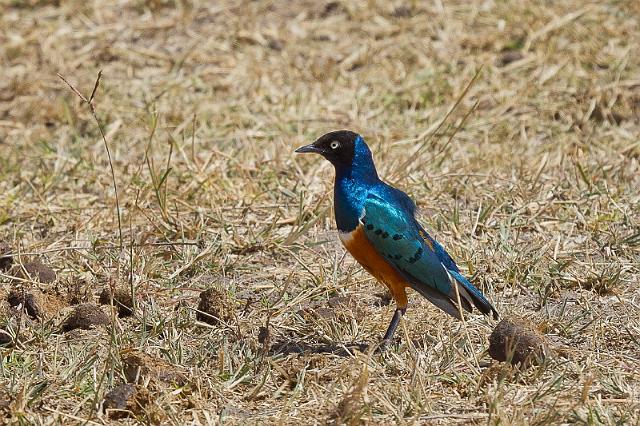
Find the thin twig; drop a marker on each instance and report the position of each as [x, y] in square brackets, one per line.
[95, 88]
[92, 108]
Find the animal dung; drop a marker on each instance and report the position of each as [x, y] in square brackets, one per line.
[126, 400]
[139, 367]
[36, 304]
[84, 317]
[516, 342]
[121, 299]
[27, 301]
[214, 307]
[35, 270]
[5, 338]
[5, 260]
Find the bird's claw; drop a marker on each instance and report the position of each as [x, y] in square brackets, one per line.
[385, 344]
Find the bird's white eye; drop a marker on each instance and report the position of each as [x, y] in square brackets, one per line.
[334, 144]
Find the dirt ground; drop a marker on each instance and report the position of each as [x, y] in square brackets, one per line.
[514, 125]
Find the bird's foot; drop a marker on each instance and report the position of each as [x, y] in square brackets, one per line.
[386, 344]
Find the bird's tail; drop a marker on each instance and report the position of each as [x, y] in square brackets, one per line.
[476, 296]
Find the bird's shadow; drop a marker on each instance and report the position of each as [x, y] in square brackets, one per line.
[288, 347]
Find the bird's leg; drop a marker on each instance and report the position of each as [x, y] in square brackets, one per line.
[393, 325]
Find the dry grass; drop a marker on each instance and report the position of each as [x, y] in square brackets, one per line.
[532, 182]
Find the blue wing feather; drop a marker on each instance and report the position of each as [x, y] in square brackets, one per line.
[392, 229]
[442, 254]
[407, 204]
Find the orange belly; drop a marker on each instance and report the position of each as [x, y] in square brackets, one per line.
[357, 243]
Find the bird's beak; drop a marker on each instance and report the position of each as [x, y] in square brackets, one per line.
[308, 148]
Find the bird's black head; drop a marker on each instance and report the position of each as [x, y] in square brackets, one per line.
[338, 147]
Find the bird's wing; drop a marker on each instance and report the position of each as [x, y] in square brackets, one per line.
[426, 266]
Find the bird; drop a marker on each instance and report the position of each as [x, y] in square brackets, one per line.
[378, 225]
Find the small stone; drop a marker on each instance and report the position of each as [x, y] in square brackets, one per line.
[126, 400]
[121, 299]
[85, 316]
[275, 44]
[508, 57]
[214, 307]
[402, 12]
[515, 341]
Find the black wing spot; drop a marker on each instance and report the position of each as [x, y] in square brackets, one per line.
[369, 227]
[397, 237]
[363, 220]
[398, 256]
[385, 235]
[416, 256]
[378, 231]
